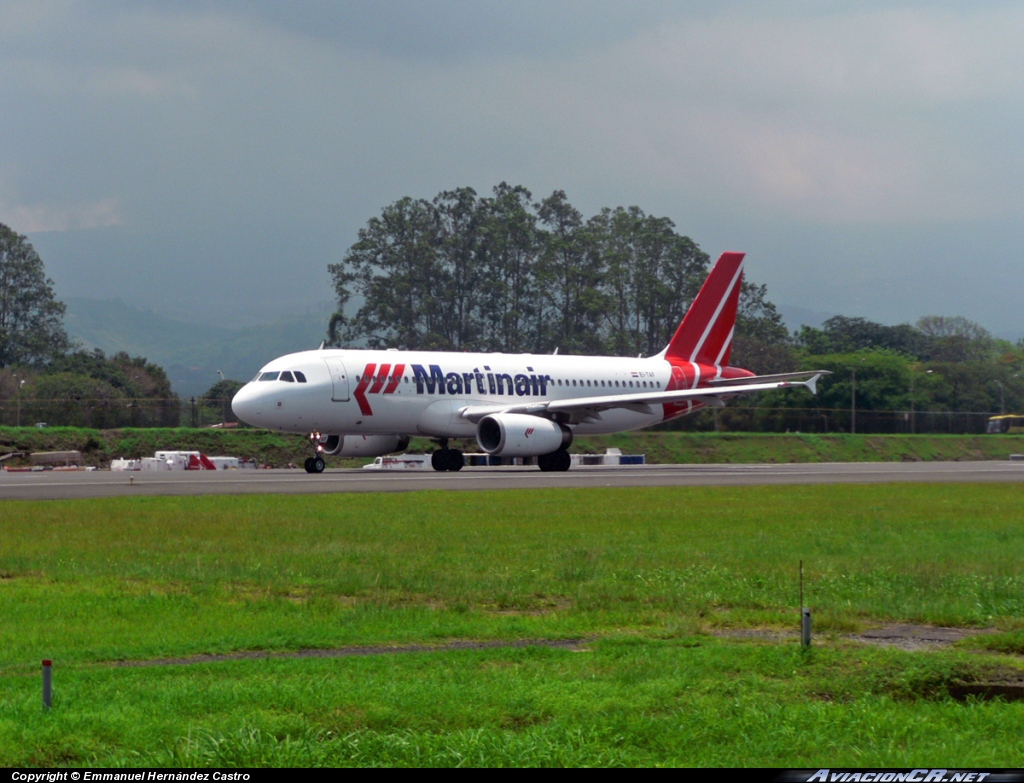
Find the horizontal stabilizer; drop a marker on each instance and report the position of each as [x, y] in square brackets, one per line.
[785, 376]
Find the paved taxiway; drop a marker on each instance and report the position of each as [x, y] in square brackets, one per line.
[52, 485]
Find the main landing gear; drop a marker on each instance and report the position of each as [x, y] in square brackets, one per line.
[555, 461]
[315, 464]
[447, 459]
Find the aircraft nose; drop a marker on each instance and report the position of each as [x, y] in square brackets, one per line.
[247, 405]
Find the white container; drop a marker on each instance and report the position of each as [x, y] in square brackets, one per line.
[399, 462]
[154, 464]
[175, 455]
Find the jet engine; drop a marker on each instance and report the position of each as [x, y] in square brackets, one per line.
[521, 435]
[362, 445]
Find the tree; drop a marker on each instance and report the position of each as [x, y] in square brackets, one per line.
[394, 266]
[649, 276]
[569, 277]
[510, 241]
[31, 328]
[506, 273]
[457, 221]
[218, 397]
[88, 388]
[956, 339]
[761, 342]
[841, 334]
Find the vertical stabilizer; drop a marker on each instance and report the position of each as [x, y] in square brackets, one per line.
[705, 334]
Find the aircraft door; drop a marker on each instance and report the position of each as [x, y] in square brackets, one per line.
[339, 377]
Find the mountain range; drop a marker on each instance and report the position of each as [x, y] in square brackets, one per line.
[191, 352]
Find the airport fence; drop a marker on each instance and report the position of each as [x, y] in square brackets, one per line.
[753, 418]
[105, 413]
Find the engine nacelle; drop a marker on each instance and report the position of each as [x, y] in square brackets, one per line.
[362, 445]
[521, 435]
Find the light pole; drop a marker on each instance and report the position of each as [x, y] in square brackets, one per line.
[20, 384]
[913, 425]
[1002, 400]
[853, 401]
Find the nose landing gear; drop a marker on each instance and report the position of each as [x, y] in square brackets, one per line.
[315, 464]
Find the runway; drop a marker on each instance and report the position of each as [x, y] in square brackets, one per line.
[57, 485]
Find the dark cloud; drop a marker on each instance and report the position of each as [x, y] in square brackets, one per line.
[216, 156]
[457, 29]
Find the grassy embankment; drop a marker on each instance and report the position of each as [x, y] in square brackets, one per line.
[648, 577]
[98, 447]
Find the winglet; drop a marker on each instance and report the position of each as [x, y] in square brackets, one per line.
[812, 382]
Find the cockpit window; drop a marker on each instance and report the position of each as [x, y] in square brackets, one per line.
[269, 376]
[300, 377]
[287, 376]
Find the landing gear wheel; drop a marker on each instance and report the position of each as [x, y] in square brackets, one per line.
[562, 460]
[438, 460]
[456, 460]
[447, 459]
[308, 465]
[318, 465]
[555, 461]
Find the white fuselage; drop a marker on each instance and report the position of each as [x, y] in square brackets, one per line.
[422, 392]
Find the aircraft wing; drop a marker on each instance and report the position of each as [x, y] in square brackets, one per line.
[584, 407]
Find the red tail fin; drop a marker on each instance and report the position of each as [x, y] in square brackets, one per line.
[705, 335]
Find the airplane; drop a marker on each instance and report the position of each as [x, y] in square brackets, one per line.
[369, 402]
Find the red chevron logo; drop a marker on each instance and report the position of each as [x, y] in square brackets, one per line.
[372, 382]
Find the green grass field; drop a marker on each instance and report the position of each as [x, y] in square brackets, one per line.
[655, 581]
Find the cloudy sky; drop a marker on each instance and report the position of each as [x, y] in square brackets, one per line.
[209, 159]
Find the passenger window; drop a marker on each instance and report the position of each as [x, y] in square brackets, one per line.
[645, 384]
[269, 376]
[287, 376]
[631, 384]
[301, 378]
[573, 381]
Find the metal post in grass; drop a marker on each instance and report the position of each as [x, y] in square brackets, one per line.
[47, 684]
[805, 613]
